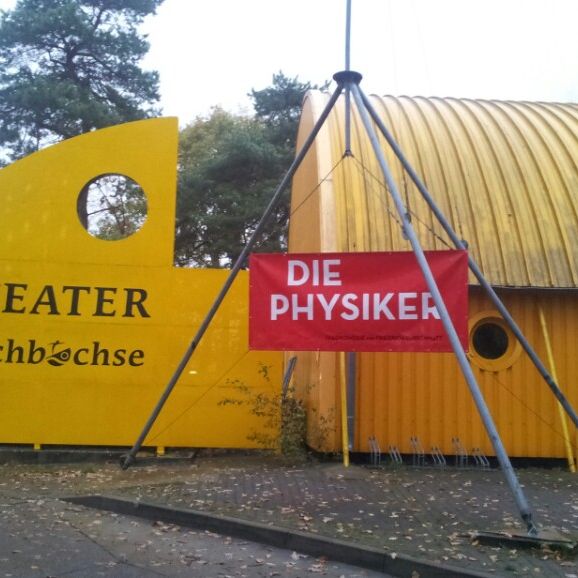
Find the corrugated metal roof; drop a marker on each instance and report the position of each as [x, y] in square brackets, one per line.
[505, 174]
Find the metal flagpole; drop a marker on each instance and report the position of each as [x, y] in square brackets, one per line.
[130, 457]
[344, 412]
[351, 401]
[348, 36]
[472, 264]
[520, 498]
[343, 375]
[347, 90]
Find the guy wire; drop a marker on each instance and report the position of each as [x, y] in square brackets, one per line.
[534, 413]
[189, 407]
[210, 388]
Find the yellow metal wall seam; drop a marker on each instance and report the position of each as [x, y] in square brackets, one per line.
[495, 165]
[530, 171]
[540, 150]
[416, 150]
[490, 179]
[548, 137]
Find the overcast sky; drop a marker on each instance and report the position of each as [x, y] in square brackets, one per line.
[212, 52]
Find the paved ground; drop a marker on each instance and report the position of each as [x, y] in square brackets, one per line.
[42, 536]
[419, 512]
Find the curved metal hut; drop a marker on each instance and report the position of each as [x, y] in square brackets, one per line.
[506, 176]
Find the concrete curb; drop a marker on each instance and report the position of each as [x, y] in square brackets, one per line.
[314, 545]
[57, 456]
[70, 455]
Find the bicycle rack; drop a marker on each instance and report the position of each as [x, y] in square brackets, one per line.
[461, 455]
[418, 456]
[438, 457]
[480, 459]
[375, 452]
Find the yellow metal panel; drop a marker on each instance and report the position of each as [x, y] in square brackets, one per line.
[424, 395]
[90, 372]
[506, 176]
[39, 195]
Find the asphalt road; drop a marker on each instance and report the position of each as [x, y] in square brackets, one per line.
[45, 537]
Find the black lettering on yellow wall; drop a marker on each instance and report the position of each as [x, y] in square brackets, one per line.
[12, 296]
[46, 299]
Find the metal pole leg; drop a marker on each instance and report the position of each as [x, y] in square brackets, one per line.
[483, 410]
[129, 458]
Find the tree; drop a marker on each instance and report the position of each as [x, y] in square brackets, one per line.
[115, 206]
[71, 66]
[229, 167]
[279, 107]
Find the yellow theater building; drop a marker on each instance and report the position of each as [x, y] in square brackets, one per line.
[92, 329]
[505, 174]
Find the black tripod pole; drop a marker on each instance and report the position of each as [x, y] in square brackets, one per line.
[238, 265]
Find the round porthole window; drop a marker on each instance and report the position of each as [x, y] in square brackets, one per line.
[493, 347]
[490, 340]
[112, 207]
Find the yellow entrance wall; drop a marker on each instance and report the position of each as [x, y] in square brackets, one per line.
[119, 361]
[407, 395]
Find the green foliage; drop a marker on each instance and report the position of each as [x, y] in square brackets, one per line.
[323, 428]
[284, 419]
[279, 107]
[71, 66]
[229, 167]
[115, 207]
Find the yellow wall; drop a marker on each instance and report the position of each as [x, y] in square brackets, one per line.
[424, 395]
[403, 395]
[44, 244]
[505, 176]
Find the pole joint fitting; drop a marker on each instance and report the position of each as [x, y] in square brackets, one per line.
[347, 77]
[532, 529]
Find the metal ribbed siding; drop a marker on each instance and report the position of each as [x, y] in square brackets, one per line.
[506, 176]
[405, 395]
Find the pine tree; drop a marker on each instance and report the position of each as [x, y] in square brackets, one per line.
[71, 66]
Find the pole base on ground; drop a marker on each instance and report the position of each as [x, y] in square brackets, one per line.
[126, 461]
[546, 537]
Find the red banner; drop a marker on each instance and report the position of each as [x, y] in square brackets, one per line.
[355, 301]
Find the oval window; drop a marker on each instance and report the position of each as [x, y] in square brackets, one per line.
[112, 207]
